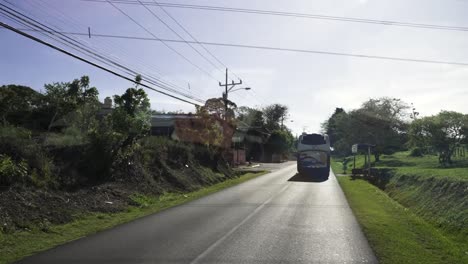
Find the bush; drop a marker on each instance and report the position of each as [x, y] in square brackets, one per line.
[11, 172]
[16, 144]
[416, 152]
[71, 136]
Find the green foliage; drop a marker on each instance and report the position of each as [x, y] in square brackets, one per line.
[416, 152]
[71, 136]
[250, 116]
[379, 121]
[16, 144]
[132, 101]
[280, 142]
[64, 98]
[131, 116]
[396, 233]
[331, 126]
[12, 172]
[218, 107]
[337, 127]
[18, 105]
[143, 201]
[444, 132]
[274, 116]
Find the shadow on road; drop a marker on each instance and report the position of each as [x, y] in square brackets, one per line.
[308, 178]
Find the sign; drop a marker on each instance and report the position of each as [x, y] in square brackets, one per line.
[354, 148]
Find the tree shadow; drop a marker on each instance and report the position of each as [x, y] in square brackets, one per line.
[309, 177]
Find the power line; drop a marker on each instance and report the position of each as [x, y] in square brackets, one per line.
[272, 48]
[196, 40]
[53, 31]
[164, 42]
[134, 57]
[89, 62]
[292, 14]
[178, 35]
[188, 33]
[77, 46]
[111, 55]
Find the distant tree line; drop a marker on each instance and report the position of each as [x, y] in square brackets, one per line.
[392, 125]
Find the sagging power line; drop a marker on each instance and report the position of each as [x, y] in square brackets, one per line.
[73, 44]
[90, 62]
[161, 40]
[292, 14]
[272, 48]
[135, 61]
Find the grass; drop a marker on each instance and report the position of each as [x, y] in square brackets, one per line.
[396, 234]
[426, 166]
[21, 244]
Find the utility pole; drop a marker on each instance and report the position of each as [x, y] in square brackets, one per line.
[226, 92]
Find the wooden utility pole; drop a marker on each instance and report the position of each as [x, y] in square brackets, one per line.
[226, 92]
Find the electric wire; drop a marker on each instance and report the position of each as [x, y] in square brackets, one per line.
[15, 16]
[293, 14]
[162, 41]
[139, 68]
[282, 49]
[180, 37]
[88, 61]
[76, 46]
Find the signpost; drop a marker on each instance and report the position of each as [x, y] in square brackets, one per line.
[367, 147]
[354, 150]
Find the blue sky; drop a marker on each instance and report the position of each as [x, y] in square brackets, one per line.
[311, 85]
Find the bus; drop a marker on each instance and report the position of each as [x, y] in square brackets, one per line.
[313, 154]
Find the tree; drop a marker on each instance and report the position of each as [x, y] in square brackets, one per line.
[64, 98]
[210, 126]
[379, 121]
[18, 104]
[250, 116]
[339, 129]
[216, 106]
[330, 126]
[443, 132]
[274, 116]
[131, 116]
[280, 142]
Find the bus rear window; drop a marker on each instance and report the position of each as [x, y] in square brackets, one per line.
[313, 139]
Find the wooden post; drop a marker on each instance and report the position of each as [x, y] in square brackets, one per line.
[369, 158]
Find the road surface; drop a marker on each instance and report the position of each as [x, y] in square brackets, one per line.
[276, 218]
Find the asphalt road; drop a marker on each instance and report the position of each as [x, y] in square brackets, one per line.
[276, 218]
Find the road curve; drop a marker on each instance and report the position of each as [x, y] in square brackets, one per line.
[276, 218]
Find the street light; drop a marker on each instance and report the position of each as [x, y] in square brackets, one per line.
[243, 88]
[225, 95]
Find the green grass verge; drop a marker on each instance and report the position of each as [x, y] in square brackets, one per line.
[426, 166]
[21, 244]
[395, 233]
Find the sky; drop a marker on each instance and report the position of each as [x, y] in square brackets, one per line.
[311, 85]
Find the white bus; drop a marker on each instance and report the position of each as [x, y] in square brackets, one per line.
[313, 154]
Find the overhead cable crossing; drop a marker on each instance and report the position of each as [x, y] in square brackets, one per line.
[91, 63]
[272, 48]
[292, 14]
[77, 46]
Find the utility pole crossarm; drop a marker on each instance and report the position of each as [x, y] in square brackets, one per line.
[226, 91]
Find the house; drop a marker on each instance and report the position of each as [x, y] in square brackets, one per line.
[250, 142]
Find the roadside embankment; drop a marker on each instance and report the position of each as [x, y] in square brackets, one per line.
[436, 195]
[54, 193]
[396, 233]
